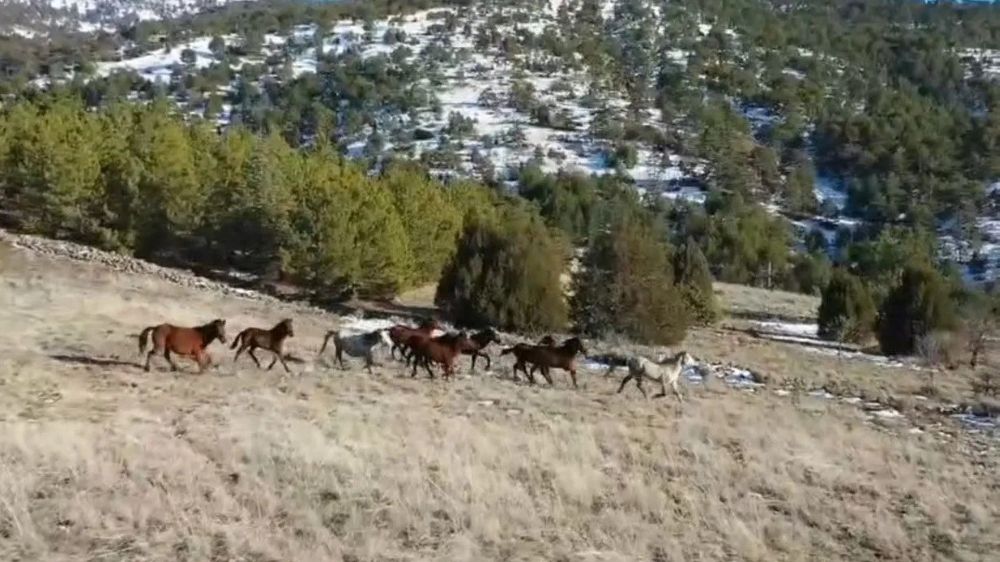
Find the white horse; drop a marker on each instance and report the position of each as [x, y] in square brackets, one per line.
[355, 345]
[666, 370]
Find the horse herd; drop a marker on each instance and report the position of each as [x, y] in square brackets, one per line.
[417, 346]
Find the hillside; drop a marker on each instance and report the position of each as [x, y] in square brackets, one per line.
[101, 460]
[669, 96]
[31, 18]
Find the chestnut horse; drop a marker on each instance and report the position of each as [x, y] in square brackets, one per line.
[272, 340]
[474, 346]
[442, 349]
[186, 342]
[401, 335]
[545, 357]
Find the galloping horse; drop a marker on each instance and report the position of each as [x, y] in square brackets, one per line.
[442, 349]
[272, 340]
[544, 357]
[403, 337]
[356, 345]
[477, 343]
[186, 342]
[474, 346]
[666, 370]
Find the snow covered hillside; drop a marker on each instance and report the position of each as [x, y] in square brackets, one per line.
[486, 93]
[476, 112]
[30, 17]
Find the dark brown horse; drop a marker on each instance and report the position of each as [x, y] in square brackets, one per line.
[545, 357]
[442, 349]
[474, 346]
[477, 343]
[186, 342]
[272, 340]
[401, 336]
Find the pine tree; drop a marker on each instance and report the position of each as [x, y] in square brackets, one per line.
[846, 311]
[919, 305]
[695, 282]
[506, 274]
[432, 223]
[55, 169]
[626, 283]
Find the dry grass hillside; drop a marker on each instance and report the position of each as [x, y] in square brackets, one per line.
[101, 461]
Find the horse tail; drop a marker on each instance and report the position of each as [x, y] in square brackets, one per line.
[144, 337]
[239, 338]
[326, 340]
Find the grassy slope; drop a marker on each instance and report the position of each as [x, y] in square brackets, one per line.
[103, 461]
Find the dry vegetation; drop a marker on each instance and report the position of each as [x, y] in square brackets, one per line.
[100, 461]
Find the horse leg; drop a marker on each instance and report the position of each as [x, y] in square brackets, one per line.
[529, 374]
[673, 384]
[473, 368]
[427, 366]
[278, 357]
[369, 361]
[203, 360]
[638, 383]
[625, 380]
[149, 357]
[339, 354]
[489, 362]
[166, 355]
[548, 377]
[254, 356]
[663, 389]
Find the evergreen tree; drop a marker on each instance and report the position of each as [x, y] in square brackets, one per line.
[626, 283]
[919, 305]
[431, 222]
[695, 282]
[846, 311]
[506, 274]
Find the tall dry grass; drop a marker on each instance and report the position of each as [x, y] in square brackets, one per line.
[105, 462]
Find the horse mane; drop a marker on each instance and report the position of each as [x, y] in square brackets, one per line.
[211, 330]
[573, 344]
[483, 337]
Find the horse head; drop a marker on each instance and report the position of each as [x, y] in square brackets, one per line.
[219, 328]
[377, 336]
[574, 345]
[685, 359]
[486, 337]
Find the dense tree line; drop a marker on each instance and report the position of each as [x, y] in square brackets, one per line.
[140, 180]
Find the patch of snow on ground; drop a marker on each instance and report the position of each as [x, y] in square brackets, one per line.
[158, 66]
[831, 189]
[800, 329]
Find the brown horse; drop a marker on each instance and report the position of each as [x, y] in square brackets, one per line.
[442, 349]
[401, 336]
[186, 342]
[477, 343]
[474, 346]
[272, 340]
[545, 357]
